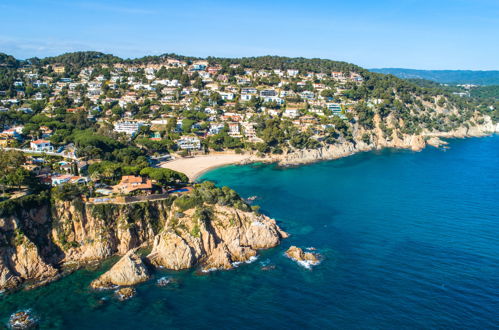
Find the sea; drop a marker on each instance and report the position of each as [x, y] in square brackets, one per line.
[408, 240]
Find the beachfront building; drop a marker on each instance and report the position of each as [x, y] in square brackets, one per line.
[216, 128]
[189, 143]
[234, 130]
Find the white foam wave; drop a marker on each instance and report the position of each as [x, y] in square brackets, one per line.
[252, 259]
[209, 270]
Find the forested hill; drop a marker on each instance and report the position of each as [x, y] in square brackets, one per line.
[81, 59]
[446, 76]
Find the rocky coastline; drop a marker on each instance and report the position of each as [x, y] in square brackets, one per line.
[342, 149]
[40, 242]
[379, 141]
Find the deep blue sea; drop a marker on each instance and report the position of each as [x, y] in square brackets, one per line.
[408, 239]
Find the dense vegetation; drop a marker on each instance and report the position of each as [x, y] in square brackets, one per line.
[208, 193]
[491, 92]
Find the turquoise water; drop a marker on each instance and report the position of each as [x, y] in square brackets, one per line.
[409, 240]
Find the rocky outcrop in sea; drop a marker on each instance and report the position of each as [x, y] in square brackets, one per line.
[129, 270]
[306, 259]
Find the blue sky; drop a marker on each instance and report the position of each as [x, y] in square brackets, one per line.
[437, 34]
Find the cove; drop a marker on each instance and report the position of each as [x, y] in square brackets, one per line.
[409, 240]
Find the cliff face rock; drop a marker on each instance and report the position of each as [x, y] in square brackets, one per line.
[380, 140]
[26, 251]
[38, 239]
[215, 238]
[28, 264]
[88, 232]
[129, 270]
[171, 251]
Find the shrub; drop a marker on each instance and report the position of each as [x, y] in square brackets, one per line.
[187, 202]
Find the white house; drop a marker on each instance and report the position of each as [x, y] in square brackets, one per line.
[275, 99]
[60, 179]
[248, 90]
[307, 95]
[215, 128]
[227, 96]
[246, 97]
[41, 145]
[130, 128]
[291, 113]
[189, 143]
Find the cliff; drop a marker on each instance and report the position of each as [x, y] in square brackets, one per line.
[215, 237]
[379, 140]
[38, 242]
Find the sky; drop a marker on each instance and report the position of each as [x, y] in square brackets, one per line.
[418, 34]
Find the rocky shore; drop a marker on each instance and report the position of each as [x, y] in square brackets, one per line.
[379, 141]
[199, 165]
[39, 242]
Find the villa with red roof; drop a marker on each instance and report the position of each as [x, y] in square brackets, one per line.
[41, 145]
[130, 183]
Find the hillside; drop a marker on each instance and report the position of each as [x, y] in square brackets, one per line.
[268, 105]
[445, 76]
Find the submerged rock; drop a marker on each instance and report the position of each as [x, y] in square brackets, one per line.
[306, 259]
[125, 293]
[22, 320]
[268, 267]
[163, 281]
[129, 270]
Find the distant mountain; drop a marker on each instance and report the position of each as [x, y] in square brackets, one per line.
[446, 76]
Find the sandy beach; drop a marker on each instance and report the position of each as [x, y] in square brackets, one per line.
[195, 166]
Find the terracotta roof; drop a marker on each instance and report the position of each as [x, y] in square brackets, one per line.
[40, 141]
[131, 179]
[131, 183]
